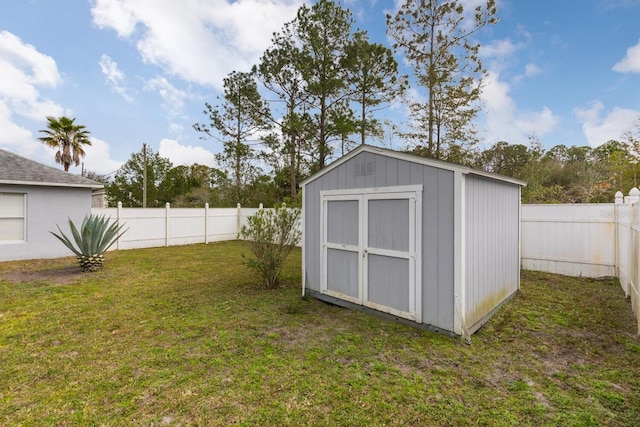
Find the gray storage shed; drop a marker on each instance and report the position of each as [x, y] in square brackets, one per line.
[33, 199]
[429, 243]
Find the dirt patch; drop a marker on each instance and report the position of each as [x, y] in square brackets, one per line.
[59, 276]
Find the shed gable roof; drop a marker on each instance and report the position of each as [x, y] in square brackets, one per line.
[19, 170]
[413, 159]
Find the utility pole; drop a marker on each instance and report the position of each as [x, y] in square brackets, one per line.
[144, 175]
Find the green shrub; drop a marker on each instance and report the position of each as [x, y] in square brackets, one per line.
[93, 239]
[271, 235]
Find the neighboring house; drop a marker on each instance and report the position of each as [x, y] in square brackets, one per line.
[430, 243]
[33, 199]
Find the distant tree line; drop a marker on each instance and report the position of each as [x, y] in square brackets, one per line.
[561, 174]
[566, 174]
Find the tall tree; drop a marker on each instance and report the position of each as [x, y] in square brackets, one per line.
[436, 39]
[617, 162]
[103, 179]
[280, 72]
[127, 185]
[374, 79]
[241, 114]
[507, 159]
[631, 137]
[191, 186]
[68, 138]
[324, 32]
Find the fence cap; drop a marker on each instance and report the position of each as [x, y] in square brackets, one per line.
[634, 192]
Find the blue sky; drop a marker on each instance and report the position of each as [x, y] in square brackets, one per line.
[140, 71]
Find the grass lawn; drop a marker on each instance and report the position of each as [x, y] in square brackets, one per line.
[186, 336]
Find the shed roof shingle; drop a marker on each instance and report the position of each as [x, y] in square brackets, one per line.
[16, 169]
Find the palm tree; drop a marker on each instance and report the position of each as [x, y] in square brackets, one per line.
[68, 138]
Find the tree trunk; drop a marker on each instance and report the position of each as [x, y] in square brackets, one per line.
[430, 85]
[322, 146]
[292, 165]
[363, 116]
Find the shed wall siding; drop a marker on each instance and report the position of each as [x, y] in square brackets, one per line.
[369, 170]
[492, 245]
[46, 207]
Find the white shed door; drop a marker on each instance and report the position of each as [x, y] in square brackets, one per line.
[369, 249]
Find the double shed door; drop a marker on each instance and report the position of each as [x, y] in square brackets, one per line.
[370, 246]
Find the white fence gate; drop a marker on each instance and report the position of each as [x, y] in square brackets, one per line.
[590, 240]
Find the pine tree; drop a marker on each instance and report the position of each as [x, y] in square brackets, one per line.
[436, 39]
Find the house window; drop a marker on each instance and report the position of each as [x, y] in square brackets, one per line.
[12, 217]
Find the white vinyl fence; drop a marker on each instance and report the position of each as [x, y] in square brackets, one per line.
[627, 216]
[153, 227]
[590, 240]
[574, 240]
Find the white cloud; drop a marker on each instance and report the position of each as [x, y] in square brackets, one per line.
[24, 70]
[200, 41]
[530, 70]
[115, 77]
[501, 120]
[176, 128]
[21, 141]
[185, 154]
[173, 97]
[500, 53]
[98, 159]
[631, 62]
[539, 122]
[505, 122]
[495, 94]
[43, 69]
[500, 49]
[12, 136]
[599, 129]
[114, 14]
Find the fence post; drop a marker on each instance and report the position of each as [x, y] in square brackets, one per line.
[636, 278]
[166, 224]
[118, 215]
[619, 200]
[206, 223]
[238, 218]
[260, 206]
[633, 197]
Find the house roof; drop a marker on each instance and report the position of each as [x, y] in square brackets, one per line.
[413, 159]
[18, 170]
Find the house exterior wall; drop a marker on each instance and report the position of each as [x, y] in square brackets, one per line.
[370, 170]
[492, 247]
[46, 207]
[99, 198]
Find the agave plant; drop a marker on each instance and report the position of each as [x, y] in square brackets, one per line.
[93, 239]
